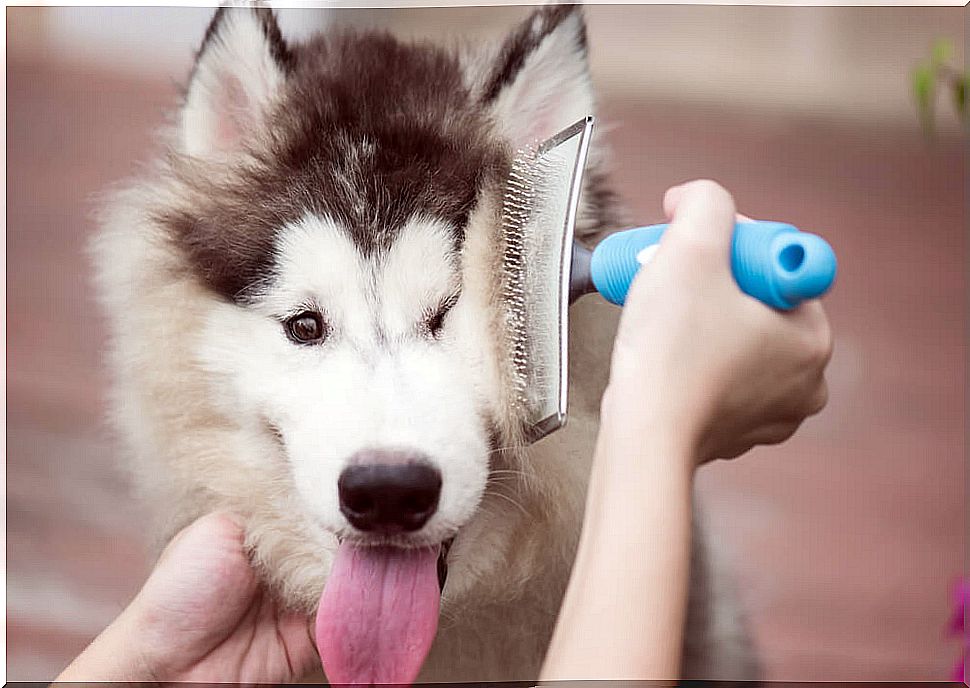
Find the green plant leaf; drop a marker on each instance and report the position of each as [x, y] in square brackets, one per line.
[923, 87]
[960, 88]
[924, 82]
[942, 51]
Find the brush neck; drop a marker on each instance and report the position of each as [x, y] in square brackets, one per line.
[580, 278]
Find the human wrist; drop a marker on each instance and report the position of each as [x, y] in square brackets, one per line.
[641, 422]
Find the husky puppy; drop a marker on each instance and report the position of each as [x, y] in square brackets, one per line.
[307, 329]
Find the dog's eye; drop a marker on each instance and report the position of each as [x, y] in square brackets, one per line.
[436, 320]
[306, 328]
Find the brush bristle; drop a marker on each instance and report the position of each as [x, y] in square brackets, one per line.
[537, 212]
[518, 206]
[525, 284]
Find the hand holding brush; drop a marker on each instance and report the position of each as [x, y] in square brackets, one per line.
[544, 270]
[699, 371]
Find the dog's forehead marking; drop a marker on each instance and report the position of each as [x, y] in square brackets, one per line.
[366, 130]
[381, 131]
[317, 264]
[418, 271]
[379, 296]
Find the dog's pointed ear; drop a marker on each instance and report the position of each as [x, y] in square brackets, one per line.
[540, 82]
[238, 71]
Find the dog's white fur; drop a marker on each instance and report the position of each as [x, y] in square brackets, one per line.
[376, 383]
[221, 411]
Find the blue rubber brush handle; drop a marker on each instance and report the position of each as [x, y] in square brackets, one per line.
[771, 261]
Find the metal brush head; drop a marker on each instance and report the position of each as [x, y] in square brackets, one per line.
[538, 218]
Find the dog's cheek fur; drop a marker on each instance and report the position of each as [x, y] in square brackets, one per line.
[481, 325]
[186, 456]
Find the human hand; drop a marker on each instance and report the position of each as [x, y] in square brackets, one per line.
[697, 357]
[202, 616]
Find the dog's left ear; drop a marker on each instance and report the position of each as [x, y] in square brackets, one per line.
[239, 70]
[540, 82]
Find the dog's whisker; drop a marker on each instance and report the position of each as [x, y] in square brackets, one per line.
[500, 482]
[507, 448]
[511, 501]
[447, 619]
[508, 471]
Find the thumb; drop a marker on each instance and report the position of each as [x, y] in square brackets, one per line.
[203, 570]
[703, 212]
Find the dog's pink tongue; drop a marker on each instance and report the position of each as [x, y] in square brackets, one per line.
[378, 614]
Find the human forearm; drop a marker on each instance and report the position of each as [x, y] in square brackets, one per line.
[700, 371]
[623, 614]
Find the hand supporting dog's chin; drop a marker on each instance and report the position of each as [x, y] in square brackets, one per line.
[202, 616]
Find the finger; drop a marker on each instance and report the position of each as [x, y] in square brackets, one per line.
[219, 528]
[222, 526]
[185, 532]
[819, 399]
[672, 199]
[775, 433]
[703, 211]
[814, 314]
[824, 336]
[808, 314]
[809, 328]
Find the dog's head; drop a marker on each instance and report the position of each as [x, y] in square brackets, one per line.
[340, 200]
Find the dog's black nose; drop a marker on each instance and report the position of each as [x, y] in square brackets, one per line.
[390, 497]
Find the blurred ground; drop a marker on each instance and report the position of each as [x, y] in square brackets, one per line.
[847, 539]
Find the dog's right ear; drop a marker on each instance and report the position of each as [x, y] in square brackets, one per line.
[239, 70]
[540, 81]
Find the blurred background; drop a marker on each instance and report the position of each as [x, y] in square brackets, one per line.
[847, 540]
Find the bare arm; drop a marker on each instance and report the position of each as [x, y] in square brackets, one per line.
[623, 614]
[700, 371]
